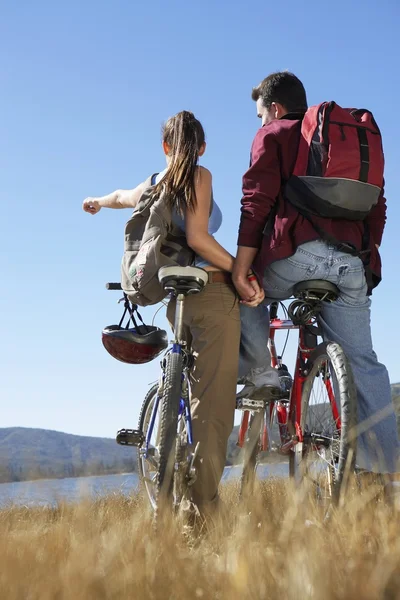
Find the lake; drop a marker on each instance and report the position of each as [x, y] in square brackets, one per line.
[47, 492]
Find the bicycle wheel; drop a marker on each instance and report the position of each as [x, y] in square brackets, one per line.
[251, 450]
[148, 465]
[328, 420]
[169, 411]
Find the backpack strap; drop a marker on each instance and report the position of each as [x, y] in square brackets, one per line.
[146, 198]
[341, 246]
[364, 154]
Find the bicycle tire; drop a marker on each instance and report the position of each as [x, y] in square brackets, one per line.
[343, 446]
[251, 451]
[168, 429]
[144, 417]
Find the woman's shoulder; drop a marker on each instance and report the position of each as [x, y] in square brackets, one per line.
[204, 174]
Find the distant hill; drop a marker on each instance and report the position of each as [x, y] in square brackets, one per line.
[396, 401]
[27, 454]
[395, 391]
[40, 453]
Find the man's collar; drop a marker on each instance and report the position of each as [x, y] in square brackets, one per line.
[293, 116]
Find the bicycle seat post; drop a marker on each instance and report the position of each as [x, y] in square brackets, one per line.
[178, 325]
[181, 282]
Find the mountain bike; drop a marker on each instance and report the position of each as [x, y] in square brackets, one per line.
[316, 421]
[164, 438]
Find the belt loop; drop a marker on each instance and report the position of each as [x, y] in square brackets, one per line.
[210, 277]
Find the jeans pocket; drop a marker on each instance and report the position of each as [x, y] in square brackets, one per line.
[303, 271]
[352, 283]
[282, 275]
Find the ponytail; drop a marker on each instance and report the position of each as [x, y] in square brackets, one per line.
[184, 134]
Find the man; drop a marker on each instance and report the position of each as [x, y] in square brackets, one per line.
[290, 250]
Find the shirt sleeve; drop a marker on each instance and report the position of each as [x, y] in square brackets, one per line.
[377, 218]
[261, 187]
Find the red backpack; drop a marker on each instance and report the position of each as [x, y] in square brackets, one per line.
[339, 167]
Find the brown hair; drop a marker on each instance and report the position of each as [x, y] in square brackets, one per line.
[185, 136]
[282, 87]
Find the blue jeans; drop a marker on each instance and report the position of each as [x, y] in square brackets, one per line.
[346, 321]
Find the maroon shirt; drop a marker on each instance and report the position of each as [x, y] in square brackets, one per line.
[273, 156]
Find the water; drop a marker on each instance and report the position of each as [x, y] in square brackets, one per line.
[47, 492]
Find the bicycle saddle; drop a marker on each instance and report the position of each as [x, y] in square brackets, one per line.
[316, 289]
[183, 280]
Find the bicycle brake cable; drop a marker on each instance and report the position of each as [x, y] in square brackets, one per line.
[163, 303]
[285, 310]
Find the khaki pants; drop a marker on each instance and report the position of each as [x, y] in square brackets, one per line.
[212, 332]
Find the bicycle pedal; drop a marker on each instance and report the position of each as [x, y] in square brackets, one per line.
[248, 404]
[130, 437]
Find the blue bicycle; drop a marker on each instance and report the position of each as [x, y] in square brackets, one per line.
[166, 452]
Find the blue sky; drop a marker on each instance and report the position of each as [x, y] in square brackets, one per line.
[85, 87]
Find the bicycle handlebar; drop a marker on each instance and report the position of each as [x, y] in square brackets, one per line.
[113, 286]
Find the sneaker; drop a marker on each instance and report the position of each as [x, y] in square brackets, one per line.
[263, 384]
[264, 392]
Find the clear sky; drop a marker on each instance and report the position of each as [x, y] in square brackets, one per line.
[85, 87]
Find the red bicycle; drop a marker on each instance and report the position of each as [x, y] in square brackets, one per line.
[316, 423]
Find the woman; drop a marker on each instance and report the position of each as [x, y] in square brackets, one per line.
[211, 319]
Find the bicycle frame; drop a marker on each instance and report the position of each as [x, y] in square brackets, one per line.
[178, 347]
[288, 414]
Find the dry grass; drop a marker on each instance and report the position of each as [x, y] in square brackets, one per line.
[283, 550]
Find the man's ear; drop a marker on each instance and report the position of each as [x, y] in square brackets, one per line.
[279, 110]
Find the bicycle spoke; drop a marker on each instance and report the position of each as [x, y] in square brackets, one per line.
[148, 465]
[321, 457]
[318, 462]
[152, 480]
[152, 461]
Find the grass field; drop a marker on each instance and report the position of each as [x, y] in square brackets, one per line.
[283, 549]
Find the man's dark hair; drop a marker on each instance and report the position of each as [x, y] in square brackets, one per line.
[282, 87]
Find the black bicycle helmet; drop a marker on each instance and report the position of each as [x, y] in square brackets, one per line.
[134, 346]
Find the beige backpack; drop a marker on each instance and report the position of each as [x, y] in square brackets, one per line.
[152, 241]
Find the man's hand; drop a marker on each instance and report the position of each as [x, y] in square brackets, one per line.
[244, 288]
[248, 288]
[91, 205]
[260, 295]
[241, 268]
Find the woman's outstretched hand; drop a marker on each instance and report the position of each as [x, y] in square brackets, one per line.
[91, 206]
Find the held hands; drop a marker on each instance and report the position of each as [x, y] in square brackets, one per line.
[91, 206]
[259, 294]
[249, 289]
